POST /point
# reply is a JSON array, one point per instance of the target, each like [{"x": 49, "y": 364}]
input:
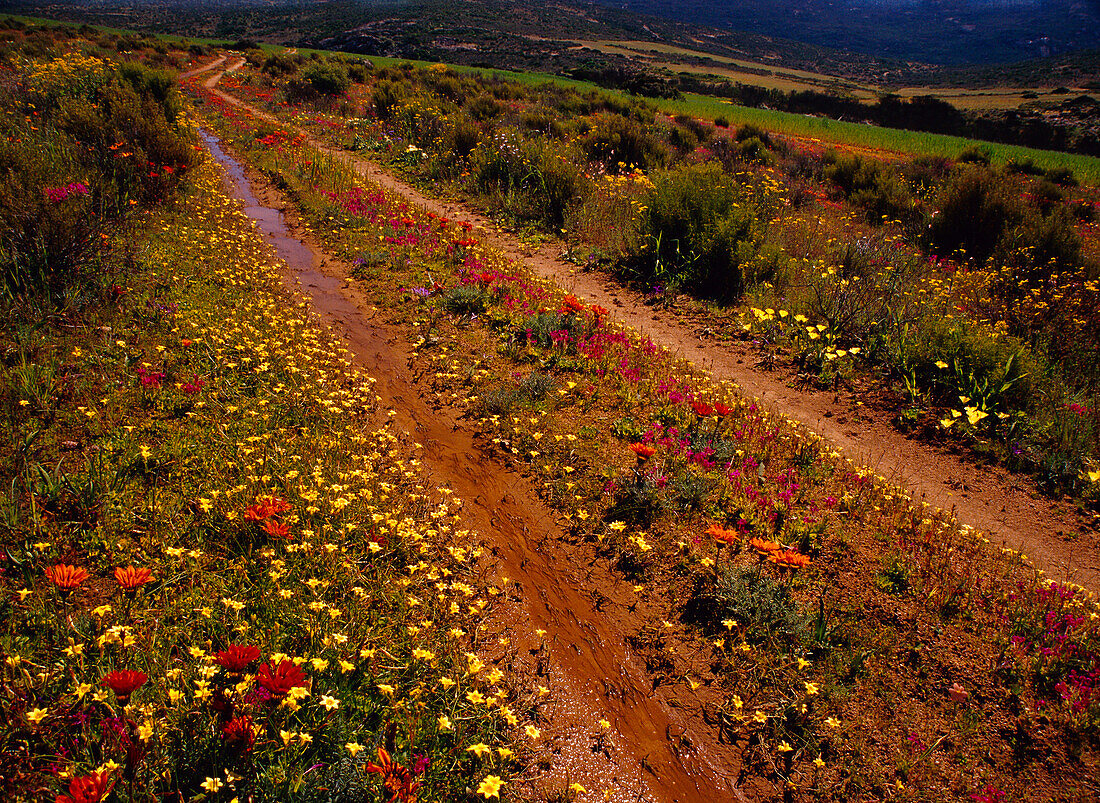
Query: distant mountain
[{"x": 929, "y": 31}]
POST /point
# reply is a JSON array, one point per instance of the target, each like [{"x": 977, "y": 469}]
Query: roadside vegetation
[
  {"x": 223, "y": 575},
  {"x": 967, "y": 288},
  {"x": 850, "y": 642}
]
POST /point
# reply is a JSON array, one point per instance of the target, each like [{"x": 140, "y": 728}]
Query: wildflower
[
  {"x": 281, "y": 678},
  {"x": 789, "y": 558},
  {"x": 353, "y": 748},
  {"x": 238, "y": 733},
  {"x": 642, "y": 451},
  {"x": 396, "y": 779},
  {"x": 445, "y": 723},
  {"x": 723, "y": 536},
  {"x": 132, "y": 578},
  {"x": 479, "y": 749},
  {"x": 329, "y": 702},
  {"x": 36, "y": 715},
  {"x": 124, "y": 682},
  {"x": 957, "y": 693},
  {"x": 533, "y": 732},
  {"x": 236, "y": 657},
  {"x": 88, "y": 788},
  {"x": 763, "y": 546},
  {"x": 784, "y": 747},
  {"x": 577, "y": 788},
  {"x": 211, "y": 784},
  {"x": 66, "y": 577},
  {"x": 276, "y": 528},
  {"x": 490, "y": 787}
]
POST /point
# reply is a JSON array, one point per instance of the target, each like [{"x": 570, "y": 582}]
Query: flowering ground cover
[
  {"x": 964, "y": 335},
  {"x": 847, "y": 641},
  {"x": 223, "y": 575}
]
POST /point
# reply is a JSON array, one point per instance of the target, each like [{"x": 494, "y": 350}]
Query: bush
[
  {"x": 529, "y": 179},
  {"x": 873, "y": 186},
  {"x": 385, "y": 98},
  {"x": 699, "y": 230},
  {"x": 621, "y": 144},
  {"x": 327, "y": 78},
  {"x": 105, "y": 140},
  {"x": 982, "y": 214}
]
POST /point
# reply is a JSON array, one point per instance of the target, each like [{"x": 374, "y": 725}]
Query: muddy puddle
[{"x": 657, "y": 747}]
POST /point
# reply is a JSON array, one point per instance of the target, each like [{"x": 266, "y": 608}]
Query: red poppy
[
  {"x": 722, "y": 410},
  {"x": 87, "y": 788},
  {"x": 132, "y": 578},
  {"x": 66, "y": 577},
  {"x": 598, "y": 311},
  {"x": 643, "y": 451},
  {"x": 236, "y": 657},
  {"x": 280, "y": 679},
  {"x": 238, "y": 733},
  {"x": 123, "y": 682}
]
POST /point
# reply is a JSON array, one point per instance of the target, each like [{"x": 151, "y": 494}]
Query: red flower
[
  {"x": 123, "y": 682},
  {"x": 132, "y": 578},
  {"x": 236, "y": 657},
  {"x": 66, "y": 577},
  {"x": 280, "y": 679},
  {"x": 87, "y": 788},
  {"x": 702, "y": 409},
  {"x": 572, "y": 304},
  {"x": 643, "y": 451},
  {"x": 276, "y": 528},
  {"x": 396, "y": 780},
  {"x": 722, "y": 410},
  {"x": 238, "y": 733}
]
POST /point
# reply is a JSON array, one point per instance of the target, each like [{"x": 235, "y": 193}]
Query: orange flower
[
  {"x": 66, "y": 577},
  {"x": 396, "y": 780},
  {"x": 722, "y": 410},
  {"x": 572, "y": 304},
  {"x": 789, "y": 558},
  {"x": 643, "y": 451},
  {"x": 723, "y": 536},
  {"x": 764, "y": 546},
  {"x": 132, "y": 578},
  {"x": 276, "y": 528}
]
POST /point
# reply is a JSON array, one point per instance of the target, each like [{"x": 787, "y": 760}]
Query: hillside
[{"x": 942, "y": 32}]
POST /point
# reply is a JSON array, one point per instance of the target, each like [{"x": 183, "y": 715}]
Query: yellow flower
[
  {"x": 577, "y": 788},
  {"x": 784, "y": 747},
  {"x": 533, "y": 732},
  {"x": 212, "y": 784},
  {"x": 760, "y": 717},
  {"x": 832, "y": 722},
  {"x": 811, "y": 689},
  {"x": 445, "y": 723},
  {"x": 329, "y": 702},
  {"x": 36, "y": 715},
  {"x": 490, "y": 787},
  {"x": 353, "y": 748},
  {"x": 479, "y": 749}
]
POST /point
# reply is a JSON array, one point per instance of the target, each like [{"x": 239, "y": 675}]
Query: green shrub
[
  {"x": 873, "y": 186},
  {"x": 529, "y": 179},
  {"x": 385, "y": 98},
  {"x": 700, "y": 230},
  {"x": 327, "y": 78},
  {"x": 621, "y": 144}
]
